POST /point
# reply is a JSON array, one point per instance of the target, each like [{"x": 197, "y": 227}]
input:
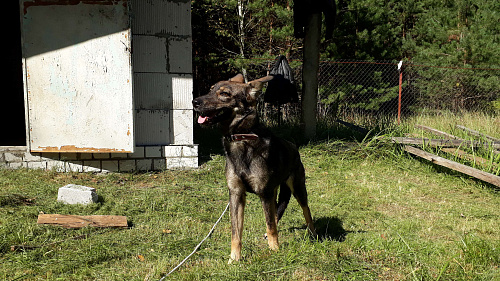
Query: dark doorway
[{"x": 12, "y": 118}]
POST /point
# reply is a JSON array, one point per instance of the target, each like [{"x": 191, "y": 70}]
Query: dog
[{"x": 256, "y": 160}]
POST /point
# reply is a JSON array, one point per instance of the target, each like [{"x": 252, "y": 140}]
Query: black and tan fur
[{"x": 256, "y": 160}]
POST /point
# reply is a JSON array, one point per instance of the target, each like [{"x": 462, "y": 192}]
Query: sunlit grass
[{"x": 380, "y": 214}]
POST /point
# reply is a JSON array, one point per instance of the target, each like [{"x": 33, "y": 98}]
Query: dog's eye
[{"x": 225, "y": 94}]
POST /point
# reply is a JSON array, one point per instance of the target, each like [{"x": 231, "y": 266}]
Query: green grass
[{"x": 380, "y": 215}]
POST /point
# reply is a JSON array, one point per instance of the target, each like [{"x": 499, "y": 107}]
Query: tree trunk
[
  {"x": 310, "y": 75},
  {"x": 241, "y": 34}
]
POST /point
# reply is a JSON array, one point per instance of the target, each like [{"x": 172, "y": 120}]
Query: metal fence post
[{"x": 399, "y": 97}]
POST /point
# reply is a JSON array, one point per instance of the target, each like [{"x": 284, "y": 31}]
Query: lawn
[{"x": 380, "y": 214}]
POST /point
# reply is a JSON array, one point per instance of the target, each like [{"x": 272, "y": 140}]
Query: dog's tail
[{"x": 283, "y": 199}]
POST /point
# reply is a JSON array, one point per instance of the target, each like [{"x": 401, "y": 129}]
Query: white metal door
[{"x": 78, "y": 75}]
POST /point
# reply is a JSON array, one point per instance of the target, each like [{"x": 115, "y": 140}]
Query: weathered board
[
  {"x": 78, "y": 75},
  {"x": 484, "y": 176},
  {"x": 72, "y": 221},
  {"x": 476, "y": 133},
  {"x": 443, "y": 142},
  {"x": 436, "y": 132}
]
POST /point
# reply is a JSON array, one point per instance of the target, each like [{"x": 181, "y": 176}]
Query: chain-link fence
[{"x": 366, "y": 92}]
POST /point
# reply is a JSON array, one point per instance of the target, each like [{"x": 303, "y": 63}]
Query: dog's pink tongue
[{"x": 202, "y": 119}]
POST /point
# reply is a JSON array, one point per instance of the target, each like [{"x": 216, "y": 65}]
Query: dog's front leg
[
  {"x": 269, "y": 206},
  {"x": 237, "y": 209}
]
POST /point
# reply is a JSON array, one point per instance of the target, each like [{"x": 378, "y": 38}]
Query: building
[{"x": 99, "y": 86}]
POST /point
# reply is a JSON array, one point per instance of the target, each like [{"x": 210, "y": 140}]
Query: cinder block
[
  {"x": 85, "y": 156},
  {"x": 92, "y": 166},
  {"x": 153, "y": 91},
  {"x": 37, "y": 165},
  {"x": 74, "y": 166},
  {"x": 182, "y": 92},
  {"x": 153, "y": 127},
  {"x": 77, "y": 194},
  {"x": 11, "y": 157},
  {"x": 190, "y": 151},
  {"x": 28, "y": 157},
  {"x": 102, "y": 155},
  {"x": 145, "y": 165},
  {"x": 172, "y": 151},
  {"x": 127, "y": 165},
  {"x": 153, "y": 151},
  {"x": 150, "y": 54},
  {"x": 16, "y": 165},
  {"x": 182, "y": 127},
  {"x": 109, "y": 166},
  {"x": 119, "y": 155},
  {"x": 50, "y": 156},
  {"x": 180, "y": 55},
  {"x": 138, "y": 152},
  {"x": 69, "y": 156},
  {"x": 159, "y": 164},
  {"x": 182, "y": 163},
  {"x": 162, "y": 17},
  {"x": 58, "y": 166}
]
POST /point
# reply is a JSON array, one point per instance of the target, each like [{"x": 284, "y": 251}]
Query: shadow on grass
[{"x": 330, "y": 228}]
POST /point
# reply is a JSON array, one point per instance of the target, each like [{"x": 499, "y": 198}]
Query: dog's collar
[{"x": 241, "y": 137}]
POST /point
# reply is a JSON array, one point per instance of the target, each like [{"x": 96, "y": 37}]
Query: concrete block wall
[
  {"x": 162, "y": 66},
  {"x": 145, "y": 158}
]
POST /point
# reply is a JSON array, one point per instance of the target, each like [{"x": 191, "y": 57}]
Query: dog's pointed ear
[
  {"x": 238, "y": 78},
  {"x": 256, "y": 87}
]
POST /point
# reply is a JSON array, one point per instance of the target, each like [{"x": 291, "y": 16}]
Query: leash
[{"x": 198, "y": 246}]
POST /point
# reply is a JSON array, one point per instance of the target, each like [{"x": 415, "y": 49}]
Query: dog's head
[{"x": 229, "y": 101}]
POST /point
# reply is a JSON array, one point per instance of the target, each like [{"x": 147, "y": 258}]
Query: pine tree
[{"x": 456, "y": 33}]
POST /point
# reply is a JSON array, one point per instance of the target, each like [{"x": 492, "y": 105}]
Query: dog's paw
[
  {"x": 274, "y": 246},
  {"x": 234, "y": 258}
]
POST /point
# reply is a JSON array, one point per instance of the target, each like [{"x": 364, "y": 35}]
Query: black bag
[{"x": 282, "y": 88}]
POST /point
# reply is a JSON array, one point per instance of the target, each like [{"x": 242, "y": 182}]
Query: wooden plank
[
  {"x": 477, "y": 134},
  {"x": 352, "y": 126},
  {"x": 464, "y": 155},
  {"x": 436, "y": 132},
  {"x": 443, "y": 143},
  {"x": 72, "y": 221},
  {"x": 482, "y": 175}
]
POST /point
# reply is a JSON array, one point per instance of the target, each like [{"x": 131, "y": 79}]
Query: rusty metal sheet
[{"x": 77, "y": 58}]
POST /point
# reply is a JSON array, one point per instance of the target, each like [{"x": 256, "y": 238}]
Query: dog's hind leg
[
  {"x": 297, "y": 184},
  {"x": 283, "y": 199}
]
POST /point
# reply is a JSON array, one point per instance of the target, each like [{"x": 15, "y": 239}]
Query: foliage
[
  {"x": 451, "y": 33},
  {"x": 228, "y": 32}
]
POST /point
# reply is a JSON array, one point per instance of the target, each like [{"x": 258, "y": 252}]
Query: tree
[
  {"x": 459, "y": 33},
  {"x": 229, "y": 34}
]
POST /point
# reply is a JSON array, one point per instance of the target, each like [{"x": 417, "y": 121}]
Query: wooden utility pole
[{"x": 310, "y": 74}]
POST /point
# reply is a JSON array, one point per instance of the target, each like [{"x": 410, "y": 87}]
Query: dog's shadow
[{"x": 330, "y": 228}]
